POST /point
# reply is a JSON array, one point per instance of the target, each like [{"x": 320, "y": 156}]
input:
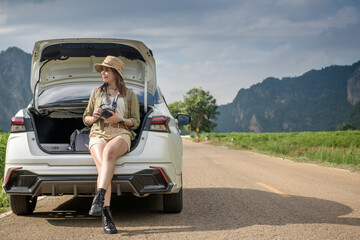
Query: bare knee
[{"x": 109, "y": 155}]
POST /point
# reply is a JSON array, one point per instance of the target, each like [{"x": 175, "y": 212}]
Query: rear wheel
[
  {"x": 173, "y": 203},
  {"x": 22, "y": 205}
]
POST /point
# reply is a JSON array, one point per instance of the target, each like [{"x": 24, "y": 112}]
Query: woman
[{"x": 113, "y": 113}]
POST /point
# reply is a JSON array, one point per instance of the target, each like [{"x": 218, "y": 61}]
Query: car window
[
  {"x": 159, "y": 96},
  {"x": 140, "y": 95},
  {"x": 65, "y": 93},
  {"x": 81, "y": 93}
]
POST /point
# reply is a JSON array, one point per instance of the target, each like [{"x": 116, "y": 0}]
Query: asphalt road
[{"x": 228, "y": 194}]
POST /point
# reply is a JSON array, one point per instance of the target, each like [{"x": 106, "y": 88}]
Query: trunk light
[
  {"x": 160, "y": 124},
  {"x": 17, "y": 124}
]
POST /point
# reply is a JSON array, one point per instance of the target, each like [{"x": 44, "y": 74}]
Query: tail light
[
  {"x": 17, "y": 124},
  {"x": 160, "y": 124}
]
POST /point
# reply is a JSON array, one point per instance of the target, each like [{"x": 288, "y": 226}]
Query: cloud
[
  {"x": 277, "y": 26},
  {"x": 7, "y": 30},
  {"x": 344, "y": 17},
  {"x": 220, "y": 45},
  {"x": 293, "y": 3},
  {"x": 3, "y": 17}
]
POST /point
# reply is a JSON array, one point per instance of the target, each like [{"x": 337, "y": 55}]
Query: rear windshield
[{"x": 80, "y": 94}]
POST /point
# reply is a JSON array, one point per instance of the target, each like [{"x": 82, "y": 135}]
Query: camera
[{"x": 106, "y": 111}]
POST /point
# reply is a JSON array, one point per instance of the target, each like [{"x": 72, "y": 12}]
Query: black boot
[
  {"x": 108, "y": 221},
  {"x": 98, "y": 203}
]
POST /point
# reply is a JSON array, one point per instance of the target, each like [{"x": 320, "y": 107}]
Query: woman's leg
[
  {"x": 105, "y": 157},
  {"x": 114, "y": 149},
  {"x": 96, "y": 153},
  {"x": 97, "y": 205}
]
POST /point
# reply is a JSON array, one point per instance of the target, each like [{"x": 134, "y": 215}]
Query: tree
[
  {"x": 201, "y": 106},
  {"x": 353, "y": 120},
  {"x": 176, "y": 108}
]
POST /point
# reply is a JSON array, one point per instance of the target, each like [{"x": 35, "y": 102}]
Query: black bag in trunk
[{"x": 79, "y": 140}]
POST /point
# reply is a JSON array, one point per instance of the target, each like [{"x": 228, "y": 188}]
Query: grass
[
  {"x": 338, "y": 148},
  {"x": 4, "y": 201}
]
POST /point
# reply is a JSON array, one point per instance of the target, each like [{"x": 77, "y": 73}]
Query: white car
[{"x": 40, "y": 157}]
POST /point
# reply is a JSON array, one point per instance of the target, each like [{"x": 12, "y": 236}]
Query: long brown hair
[{"x": 119, "y": 83}]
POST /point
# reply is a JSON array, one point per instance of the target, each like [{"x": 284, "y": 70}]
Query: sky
[{"x": 218, "y": 45}]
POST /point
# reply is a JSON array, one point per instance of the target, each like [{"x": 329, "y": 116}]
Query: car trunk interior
[
  {"x": 54, "y": 133},
  {"x": 67, "y": 77}
]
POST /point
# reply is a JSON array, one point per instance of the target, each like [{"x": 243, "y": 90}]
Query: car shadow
[{"x": 205, "y": 209}]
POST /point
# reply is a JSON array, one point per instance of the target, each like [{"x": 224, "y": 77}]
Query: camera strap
[{"x": 114, "y": 103}]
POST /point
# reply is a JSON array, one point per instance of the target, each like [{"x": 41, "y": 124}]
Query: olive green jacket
[{"x": 95, "y": 100}]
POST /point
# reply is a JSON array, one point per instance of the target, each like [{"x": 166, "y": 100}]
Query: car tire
[
  {"x": 173, "y": 203},
  {"x": 22, "y": 205}
]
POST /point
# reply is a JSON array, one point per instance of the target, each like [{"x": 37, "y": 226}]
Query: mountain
[
  {"x": 319, "y": 100},
  {"x": 15, "y": 93}
]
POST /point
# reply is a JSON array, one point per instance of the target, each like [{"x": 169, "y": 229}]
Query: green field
[
  {"x": 4, "y": 202},
  {"x": 339, "y": 148}
]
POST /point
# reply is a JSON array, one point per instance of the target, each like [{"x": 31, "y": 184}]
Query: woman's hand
[
  {"x": 96, "y": 115},
  {"x": 114, "y": 118}
]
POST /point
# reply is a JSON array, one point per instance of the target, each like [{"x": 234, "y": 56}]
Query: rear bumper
[{"x": 148, "y": 181}]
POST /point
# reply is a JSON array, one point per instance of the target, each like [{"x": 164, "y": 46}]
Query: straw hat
[{"x": 112, "y": 62}]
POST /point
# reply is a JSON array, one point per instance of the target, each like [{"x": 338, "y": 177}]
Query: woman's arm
[
  {"x": 88, "y": 118},
  {"x": 133, "y": 121}
]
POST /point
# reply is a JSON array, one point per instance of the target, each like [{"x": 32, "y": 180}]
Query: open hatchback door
[{"x": 69, "y": 62}]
